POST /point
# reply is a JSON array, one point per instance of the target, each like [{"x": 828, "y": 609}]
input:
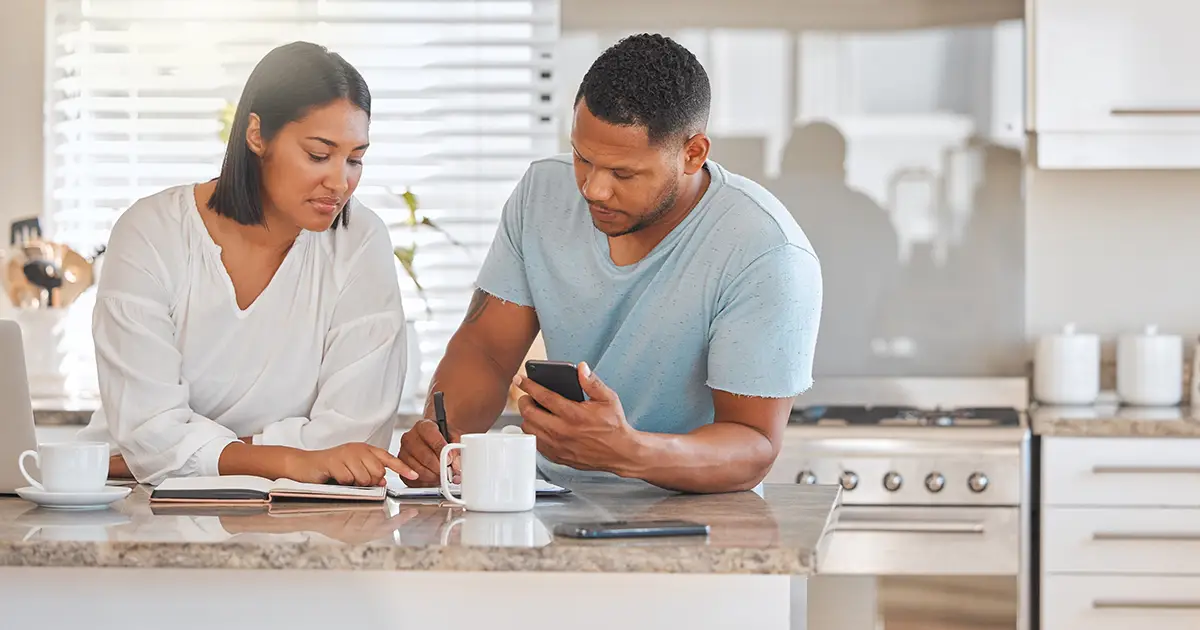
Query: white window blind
[{"x": 462, "y": 102}]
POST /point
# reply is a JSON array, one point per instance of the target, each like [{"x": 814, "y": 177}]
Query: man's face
[{"x": 629, "y": 184}]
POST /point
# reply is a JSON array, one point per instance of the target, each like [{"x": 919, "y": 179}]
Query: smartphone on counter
[
  {"x": 630, "y": 529},
  {"x": 559, "y": 377}
]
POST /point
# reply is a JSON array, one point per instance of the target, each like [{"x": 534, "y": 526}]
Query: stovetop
[{"x": 897, "y": 416}]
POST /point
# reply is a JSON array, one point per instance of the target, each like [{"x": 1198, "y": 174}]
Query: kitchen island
[{"x": 415, "y": 564}]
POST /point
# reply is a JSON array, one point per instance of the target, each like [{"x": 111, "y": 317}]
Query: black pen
[{"x": 439, "y": 413}]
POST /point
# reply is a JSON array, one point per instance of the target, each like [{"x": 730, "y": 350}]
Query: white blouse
[{"x": 317, "y": 360}]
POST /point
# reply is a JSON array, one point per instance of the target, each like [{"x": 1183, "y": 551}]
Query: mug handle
[
  {"x": 450, "y": 528},
  {"x": 25, "y": 473},
  {"x": 443, "y": 478}
]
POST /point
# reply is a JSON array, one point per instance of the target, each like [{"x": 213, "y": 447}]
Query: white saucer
[{"x": 74, "y": 500}]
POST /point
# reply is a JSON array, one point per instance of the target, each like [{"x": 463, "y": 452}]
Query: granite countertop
[
  {"x": 1115, "y": 421},
  {"x": 778, "y": 532}
]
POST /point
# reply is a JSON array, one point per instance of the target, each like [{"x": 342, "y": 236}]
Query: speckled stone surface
[
  {"x": 61, "y": 412},
  {"x": 1115, "y": 421},
  {"x": 776, "y": 533}
]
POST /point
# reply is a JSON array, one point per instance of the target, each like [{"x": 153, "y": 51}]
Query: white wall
[
  {"x": 22, "y": 24},
  {"x": 22, "y": 28},
  {"x": 1112, "y": 251}
]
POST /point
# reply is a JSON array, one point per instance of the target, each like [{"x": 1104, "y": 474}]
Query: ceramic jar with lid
[
  {"x": 1150, "y": 368},
  {"x": 1067, "y": 368}
]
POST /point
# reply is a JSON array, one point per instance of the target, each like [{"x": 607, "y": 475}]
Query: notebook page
[
  {"x": 322, "y": 489},
  {"x": 225, "y": 482}
]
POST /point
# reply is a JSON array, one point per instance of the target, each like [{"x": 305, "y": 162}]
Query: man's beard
[{"x": 666, "y": 201}]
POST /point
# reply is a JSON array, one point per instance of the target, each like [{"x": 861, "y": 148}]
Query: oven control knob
[
  {"x": 934, "y": 482},
  {"x": 892, "y": 481},
  {"x": 848, "y": 480},
  {"x": 977, "y": 482},
  {"x": 806, "y": 477}
]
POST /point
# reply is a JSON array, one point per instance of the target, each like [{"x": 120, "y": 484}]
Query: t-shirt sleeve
[
  {"x": 762, "y": 339},
  {"x": 503, "y": 271}
]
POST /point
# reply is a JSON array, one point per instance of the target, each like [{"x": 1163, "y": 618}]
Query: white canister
[
  {"x": 1066, "y": 368},
  {"x": 1150, "y": 368}
]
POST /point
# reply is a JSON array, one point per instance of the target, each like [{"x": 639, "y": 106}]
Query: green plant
[
  {"x": 226, "y": 118},
  {"x": 407, "y": 254}
]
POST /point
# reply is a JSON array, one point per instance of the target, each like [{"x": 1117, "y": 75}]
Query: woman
[{"x": 252, "y": 325}]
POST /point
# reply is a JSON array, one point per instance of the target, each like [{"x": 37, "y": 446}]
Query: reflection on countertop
[
  {"x": 1115, "y": 421},
  {"x": 777, "y": 532}
]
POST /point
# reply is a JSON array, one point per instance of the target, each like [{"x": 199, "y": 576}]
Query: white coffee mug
[
  {"x": 499, "y": 530},
  {"x": 499, "y": 472},
  {"x": 69, "y": 466}
]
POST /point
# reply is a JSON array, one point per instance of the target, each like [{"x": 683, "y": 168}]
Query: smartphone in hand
[{"x": 559, "y": 377}]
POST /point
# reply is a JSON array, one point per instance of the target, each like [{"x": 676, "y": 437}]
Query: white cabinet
[
  {"x": 1089, "y": 602},
  {"x": 1121, "y": 472},
  {"x": 1120, "y": 533},
  {"x": 1114, "y": 84},
  {"x": 1153, "y": 541}
]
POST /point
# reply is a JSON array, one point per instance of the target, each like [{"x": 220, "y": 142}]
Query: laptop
[{"x": 16, "y": 409}]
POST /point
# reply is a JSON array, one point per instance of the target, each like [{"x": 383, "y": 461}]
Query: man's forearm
[
  {"x": 719, "y": 457},
  {"x": 475, "y": 388}
]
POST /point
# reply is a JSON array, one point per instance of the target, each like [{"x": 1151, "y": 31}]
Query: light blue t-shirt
[{"x": 729, "y": 300}]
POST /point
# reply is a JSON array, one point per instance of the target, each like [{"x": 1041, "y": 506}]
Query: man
[{"x": 687, "y": 290}]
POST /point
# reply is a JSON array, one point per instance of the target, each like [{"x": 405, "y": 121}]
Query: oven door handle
[{"x": 911, "y": 527}]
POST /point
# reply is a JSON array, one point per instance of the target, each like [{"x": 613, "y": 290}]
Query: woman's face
[{"x": 312, "y": 166}]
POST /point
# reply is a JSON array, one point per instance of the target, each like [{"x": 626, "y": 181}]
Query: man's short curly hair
[{"x": 649, "y": 81}]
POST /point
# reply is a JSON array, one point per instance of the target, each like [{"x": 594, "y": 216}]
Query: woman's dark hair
[{"x": 289, "y": 81}]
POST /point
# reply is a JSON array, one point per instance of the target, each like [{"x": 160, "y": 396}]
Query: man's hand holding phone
[{"x": 590, "y": 434}]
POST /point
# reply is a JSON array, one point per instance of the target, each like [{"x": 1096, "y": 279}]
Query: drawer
[
  {"x": 1160, "y": 541},
  {"x": 1085, "y": 602},
  {"x": 1105, "y": 472}
]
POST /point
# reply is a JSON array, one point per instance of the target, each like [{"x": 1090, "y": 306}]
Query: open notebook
[
  {"x": 397, "y": 490},
  {"x": 249, "y": 489}
]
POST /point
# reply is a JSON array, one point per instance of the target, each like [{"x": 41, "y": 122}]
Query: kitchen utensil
[
  {"x": 45, "y": 275},
  {"x": 1150, "y": 368},
  {"x": 77, "y": 273},
  {"x": 33, "y": 266},
  {"x": 24, "y": 230},
  {"x": 1067, "y": 368}
]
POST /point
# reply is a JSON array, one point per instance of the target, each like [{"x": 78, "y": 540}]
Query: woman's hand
[
  {"x": 118, "y": 469},
  {"x": 358, "y": 464}
]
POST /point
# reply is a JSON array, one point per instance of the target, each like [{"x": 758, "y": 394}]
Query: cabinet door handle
[
  {"x": 1148, "y": 536},
  {"x": 1117, "y": 604},
  {"x": 1146, "y": 470},
  {"x": 1154, "y": 111}
]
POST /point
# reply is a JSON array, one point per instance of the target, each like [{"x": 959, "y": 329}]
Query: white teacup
[
  {"x": 69, "y": 466},
  {"x": 499, "y": 472},
  {"x": 499, "y": 530}
]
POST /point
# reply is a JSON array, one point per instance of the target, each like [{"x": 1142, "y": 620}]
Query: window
[{"x": 461, "y": 89}]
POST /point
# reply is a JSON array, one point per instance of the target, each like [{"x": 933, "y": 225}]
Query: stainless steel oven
[{"x": 934, "y": 532}]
